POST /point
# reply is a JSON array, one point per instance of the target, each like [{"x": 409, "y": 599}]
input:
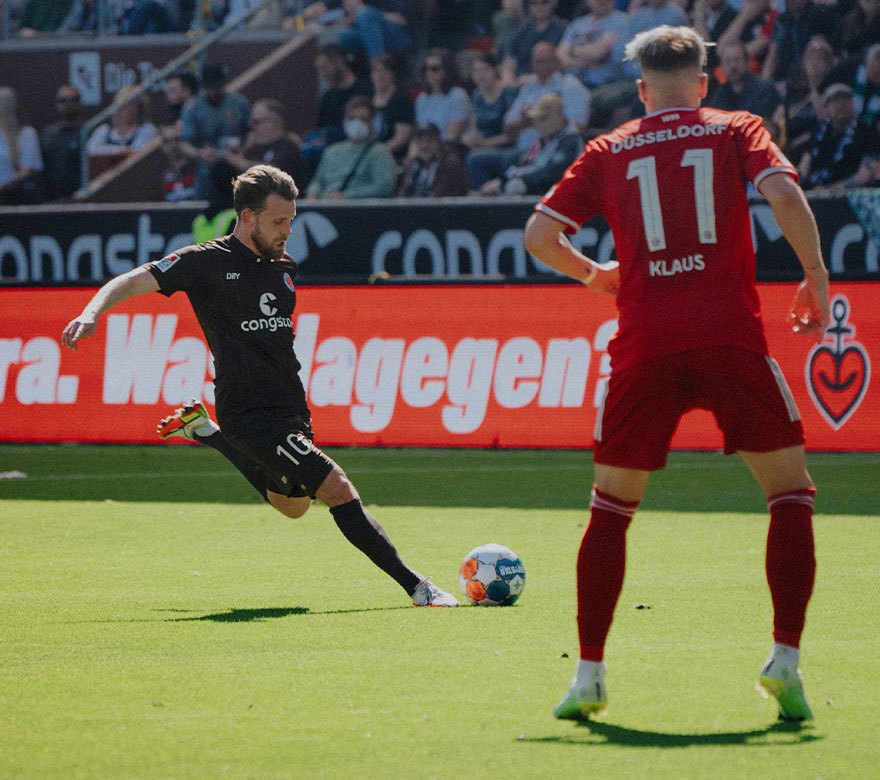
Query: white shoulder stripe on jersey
[{"x": 556, "y": 215}]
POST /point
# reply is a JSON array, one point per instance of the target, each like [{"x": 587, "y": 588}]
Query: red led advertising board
[{"x": 476, "y": 366}]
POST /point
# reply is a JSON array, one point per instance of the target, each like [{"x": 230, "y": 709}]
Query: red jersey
[{"x": 672, "y": 187}]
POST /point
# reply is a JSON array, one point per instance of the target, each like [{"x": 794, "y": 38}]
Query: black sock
[
  {"x": 252, "y": 472},
  {"x": 365, "y": 533}
]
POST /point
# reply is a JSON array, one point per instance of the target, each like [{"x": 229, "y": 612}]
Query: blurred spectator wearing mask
[
  {"x": 443, "y": 103},
  {"x": 268, "y": 143},
  {"x": 541, "y": 24},
  {"x": 358, "y": 167},
  {"x": 836, "y": 150},
  {"x": 129, "y": 128},
  {"x": 393, "y": 109},
  {"x": 21, "y": 163},
  {"x": 433, "y": 168},
  {"x": 211, "y": 122},
  {"x": 542, "y": 165},
  {"x": 743, "y": 90},
  {"x": 60, "y": 145}
]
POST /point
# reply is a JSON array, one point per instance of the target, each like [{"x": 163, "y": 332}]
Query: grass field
[{"x": 159, "y": 621}]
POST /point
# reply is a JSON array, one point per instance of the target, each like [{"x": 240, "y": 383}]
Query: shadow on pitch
[
  {"x": 270, "y": 613},
  {"x": 601, "y": 733}
]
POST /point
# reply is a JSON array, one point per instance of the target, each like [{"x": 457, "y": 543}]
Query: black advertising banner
[{"x": 450, "y": 240}]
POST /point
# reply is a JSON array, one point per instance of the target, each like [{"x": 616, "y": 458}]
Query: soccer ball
[{"x": 492, "y": 575}]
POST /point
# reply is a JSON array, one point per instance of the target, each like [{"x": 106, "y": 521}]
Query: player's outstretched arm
[
  {"x": 809, "y": 314},
  {"x": 136, "y": 282},
  {"x": 545, "y": 239}
]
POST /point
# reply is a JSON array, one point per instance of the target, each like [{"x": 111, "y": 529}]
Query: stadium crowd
[{"x": 432, "y": 98}]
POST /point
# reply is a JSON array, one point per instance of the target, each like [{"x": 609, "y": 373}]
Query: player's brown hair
[
  {"x": 251, "y": 188},
  {"x": 667, "y": 48}
]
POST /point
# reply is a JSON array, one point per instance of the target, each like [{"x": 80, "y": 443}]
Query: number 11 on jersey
[{"x": 645, "y": 170}]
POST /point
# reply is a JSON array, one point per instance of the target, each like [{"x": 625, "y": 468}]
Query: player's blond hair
[{"x": 667, "y": 48}]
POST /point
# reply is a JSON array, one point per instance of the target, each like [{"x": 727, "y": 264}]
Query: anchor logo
[{"x": 838, "y": 370}]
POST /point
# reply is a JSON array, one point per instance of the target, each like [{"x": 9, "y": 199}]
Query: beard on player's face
[{"x": 264, "y": 247}]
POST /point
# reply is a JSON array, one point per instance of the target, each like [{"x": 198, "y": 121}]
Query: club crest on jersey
[
  {"x": 838, "y": 371},
  {"x": 288, "y": 282},
  {"x": 166, "y": 262}
]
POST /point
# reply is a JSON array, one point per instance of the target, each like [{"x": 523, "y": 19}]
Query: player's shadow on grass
[
  {"x": 268, "y": 613},
  {"x": 620, "y": 735}
]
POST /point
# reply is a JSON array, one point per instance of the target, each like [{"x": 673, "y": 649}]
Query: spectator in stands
[
  {"x": 866, "y": 89},
  {"x": 443, "y": 103},
  {"x": 836, "y": 150},
  {"x": 92, "y": 16},
  {"x": 335, "y": 71},
  {"x": 542, "y": 165},
  {"x": 180, "y": 88},
  {"x": 60, "y": 145},
  {"x": 803, "y": 104},
  {"x": 268, "y": 143},
  {"x": 792, "y": 31},
  {"x": 753, "y": 26},
  {"x": 652, "y": 13},
  {"x": 433, "y": 168},
  {"x": 587, "y": 43},
  {"x": 21, "y": 163},
  {"x": 210, "y": 122},
  {"x": 179, "y": 181},
  {"x": 358, "y": 167},
  {"x": 861, "y": 27},
  {"x": 393, "y": 109},
  {"x": 743, "y": 90},
  {"x": 128, "y": 129},
  {"x": 375, "y": 30},
  {"x": 588, "y": 51},
  {"x": 505, "y": 23},
  {"x": 710, "y": 19},
  {"x": 42, "y": 16},
  {"x": 148, "y": 17},
  {"x": 490, "y": 101},
  {"x": 541, "y": 25},
  {"x": 547, "y": 77}
]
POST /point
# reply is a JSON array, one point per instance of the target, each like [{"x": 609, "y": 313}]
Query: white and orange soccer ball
[{"x": 492, "y": 575}]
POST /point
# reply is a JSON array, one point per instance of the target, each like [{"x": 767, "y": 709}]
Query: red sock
[
  {"x": 601, "y": 564},
  {"x": 790, "y": 562}
]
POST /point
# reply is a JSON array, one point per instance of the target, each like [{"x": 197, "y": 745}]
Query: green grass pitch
[{"x": 157, "y": 620}]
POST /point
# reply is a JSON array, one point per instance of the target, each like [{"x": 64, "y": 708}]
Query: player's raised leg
[
  {"x": 192, "y": 422},
  {"x": 601, "y": 564},
  {"x": 791, "y": 566}
]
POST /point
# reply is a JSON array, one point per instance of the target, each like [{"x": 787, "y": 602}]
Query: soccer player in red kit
[{"x": 672, "y": 187}]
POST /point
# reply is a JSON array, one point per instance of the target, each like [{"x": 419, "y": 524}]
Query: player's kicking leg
[{"x": 192, "y": 422}]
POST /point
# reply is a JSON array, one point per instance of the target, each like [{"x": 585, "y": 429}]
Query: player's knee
[{"x": 336, "y": 489}]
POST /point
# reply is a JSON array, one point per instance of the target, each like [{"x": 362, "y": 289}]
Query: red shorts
[{"x": 744, "y": 390}]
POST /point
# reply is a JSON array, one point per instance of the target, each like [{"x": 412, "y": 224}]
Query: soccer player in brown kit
[
  {"x": 241, "y": 288},
  {"x": 672, "y": 187}
]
